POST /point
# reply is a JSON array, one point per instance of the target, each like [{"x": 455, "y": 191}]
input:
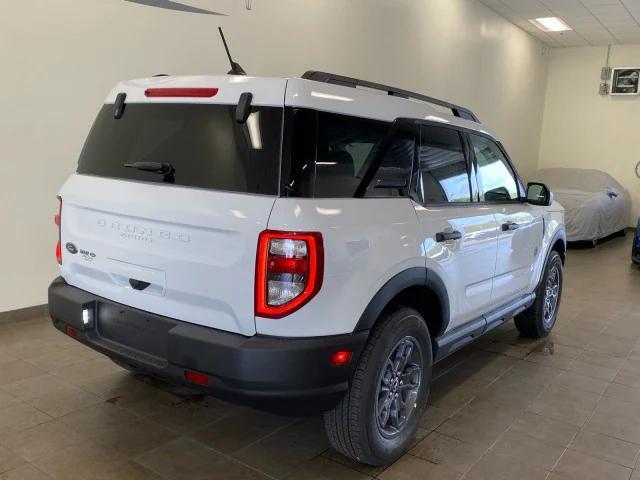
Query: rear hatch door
[{"x": 178, "y": 242}]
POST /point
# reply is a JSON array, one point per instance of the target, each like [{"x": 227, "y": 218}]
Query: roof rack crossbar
[{"x": 335, "y": 79}]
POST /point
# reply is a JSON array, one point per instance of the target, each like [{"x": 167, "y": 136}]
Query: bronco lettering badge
[{"x": 143, "y": 233}]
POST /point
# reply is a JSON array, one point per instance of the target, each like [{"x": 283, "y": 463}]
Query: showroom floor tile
[{"x": 567, "y": 407}]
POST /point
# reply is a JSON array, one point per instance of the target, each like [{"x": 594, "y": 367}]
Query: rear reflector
[
  {"x": 196, "y": 377},
  {"x": 180, "y": 92},
  {"x": 71, "y": 331},
  {"x": 340, "y": 358}
]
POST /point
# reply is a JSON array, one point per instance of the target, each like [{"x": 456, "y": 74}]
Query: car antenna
[{"x": 236, "y": 69}]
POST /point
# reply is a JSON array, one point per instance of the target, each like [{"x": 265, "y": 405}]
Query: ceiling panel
[{"x": 594, "y": 22}]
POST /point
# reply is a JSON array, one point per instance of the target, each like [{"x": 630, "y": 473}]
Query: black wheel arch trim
[
  {"x": 560, "y": 234},
  {"x": 411, "y": 277}
]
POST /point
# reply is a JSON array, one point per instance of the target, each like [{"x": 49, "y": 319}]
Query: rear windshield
[{"x": 203, "y": 144}]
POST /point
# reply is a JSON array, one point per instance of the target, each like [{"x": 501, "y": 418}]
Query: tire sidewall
[
  {"x": 554, "y": 260},
  {"x": 404, "y": 322}
]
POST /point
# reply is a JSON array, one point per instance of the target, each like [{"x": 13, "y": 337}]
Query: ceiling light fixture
[{"x": 551, "y": 24}]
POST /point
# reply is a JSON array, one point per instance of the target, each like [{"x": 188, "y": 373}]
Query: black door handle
[
  {"x": 446, "y": 236},
  {"x": 138, "y": 284},
  {"x": 510, "y": 226}
]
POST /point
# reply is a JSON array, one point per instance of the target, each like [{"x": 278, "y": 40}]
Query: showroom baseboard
[{"x": 21, "y": 314}]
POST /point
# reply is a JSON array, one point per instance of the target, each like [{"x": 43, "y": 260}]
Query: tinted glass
[
  {"x": 204, "y": 144},
  {"x": 443, "y": 167},
  {"x": 345, "y": 144},
  {"x": 495, "y": 177},
  {"x": 331, "y": 155},
  {"x": 298, "y": 171},
  {"x": 393, "y": 174}
]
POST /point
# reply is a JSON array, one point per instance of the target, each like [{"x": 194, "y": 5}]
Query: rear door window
[{"x": 203, "y": 143}]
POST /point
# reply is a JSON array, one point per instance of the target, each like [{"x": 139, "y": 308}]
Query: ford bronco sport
[{"x": 313, "y": 244}]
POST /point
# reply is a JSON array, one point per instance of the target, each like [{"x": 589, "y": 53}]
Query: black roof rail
[{"x": 324, "y": 77}]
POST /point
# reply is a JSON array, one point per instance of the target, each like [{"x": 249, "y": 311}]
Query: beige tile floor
[{"x": 505, "y": 408}]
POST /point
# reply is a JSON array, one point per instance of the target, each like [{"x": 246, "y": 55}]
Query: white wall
[
  {"x": 60, "y": 58},
  {"x": 582, "y": 129}
]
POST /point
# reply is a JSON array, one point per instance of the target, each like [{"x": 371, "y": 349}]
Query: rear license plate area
[{"x": 134, "y": 329}]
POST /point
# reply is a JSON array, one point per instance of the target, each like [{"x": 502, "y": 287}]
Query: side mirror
[{"x": 539, "y": 194}]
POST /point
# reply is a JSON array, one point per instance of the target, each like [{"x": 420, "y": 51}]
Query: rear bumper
[{"x": 288, "y": 375}]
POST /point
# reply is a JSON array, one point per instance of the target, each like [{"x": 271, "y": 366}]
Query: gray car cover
[{"x": 595, "y": 204}]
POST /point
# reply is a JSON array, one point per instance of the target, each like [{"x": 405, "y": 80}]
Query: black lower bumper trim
[{"x": 292, "y": 374}]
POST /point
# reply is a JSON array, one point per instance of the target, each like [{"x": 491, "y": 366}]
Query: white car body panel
[
  {"x": 518, "y": 250},
  {"x": 366, "y": 243},
  {"x": 468, "y": 263}
]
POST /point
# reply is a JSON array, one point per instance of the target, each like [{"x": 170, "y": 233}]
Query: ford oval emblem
[{"x": 71, "y": 248}]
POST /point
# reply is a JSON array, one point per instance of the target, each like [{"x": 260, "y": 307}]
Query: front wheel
[
  {"x": 379, "y": 415},
  {"x": 538, "y": 320}
]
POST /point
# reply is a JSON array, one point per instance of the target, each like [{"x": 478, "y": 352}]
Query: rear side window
[
  {"x": 344, "y": 145},
  {"x": 204, "y": 144},
  {"x": 444, "y": 176},
  {"x": 341, "y": 156}
]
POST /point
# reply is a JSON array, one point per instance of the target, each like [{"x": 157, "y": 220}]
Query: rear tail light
[
  {"x": 289, "y": 271},
  {"x": 58, "y": 220},
  {"x": 180, "y": 92}
]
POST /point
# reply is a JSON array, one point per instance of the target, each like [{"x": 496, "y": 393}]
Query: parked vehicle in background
[
  {"x": 300, "y": 244},
  {"x": 595, "y": 204}
]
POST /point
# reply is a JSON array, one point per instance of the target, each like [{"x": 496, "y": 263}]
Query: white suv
[{"x": 302, "y": 244}]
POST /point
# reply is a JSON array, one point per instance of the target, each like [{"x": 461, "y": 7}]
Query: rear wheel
[
  {"x": 538, "y": 320},
  {"x": 378, "y": 417}
]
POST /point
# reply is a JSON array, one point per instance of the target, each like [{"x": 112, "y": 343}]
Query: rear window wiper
[{"x": 165, "y": 169}]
